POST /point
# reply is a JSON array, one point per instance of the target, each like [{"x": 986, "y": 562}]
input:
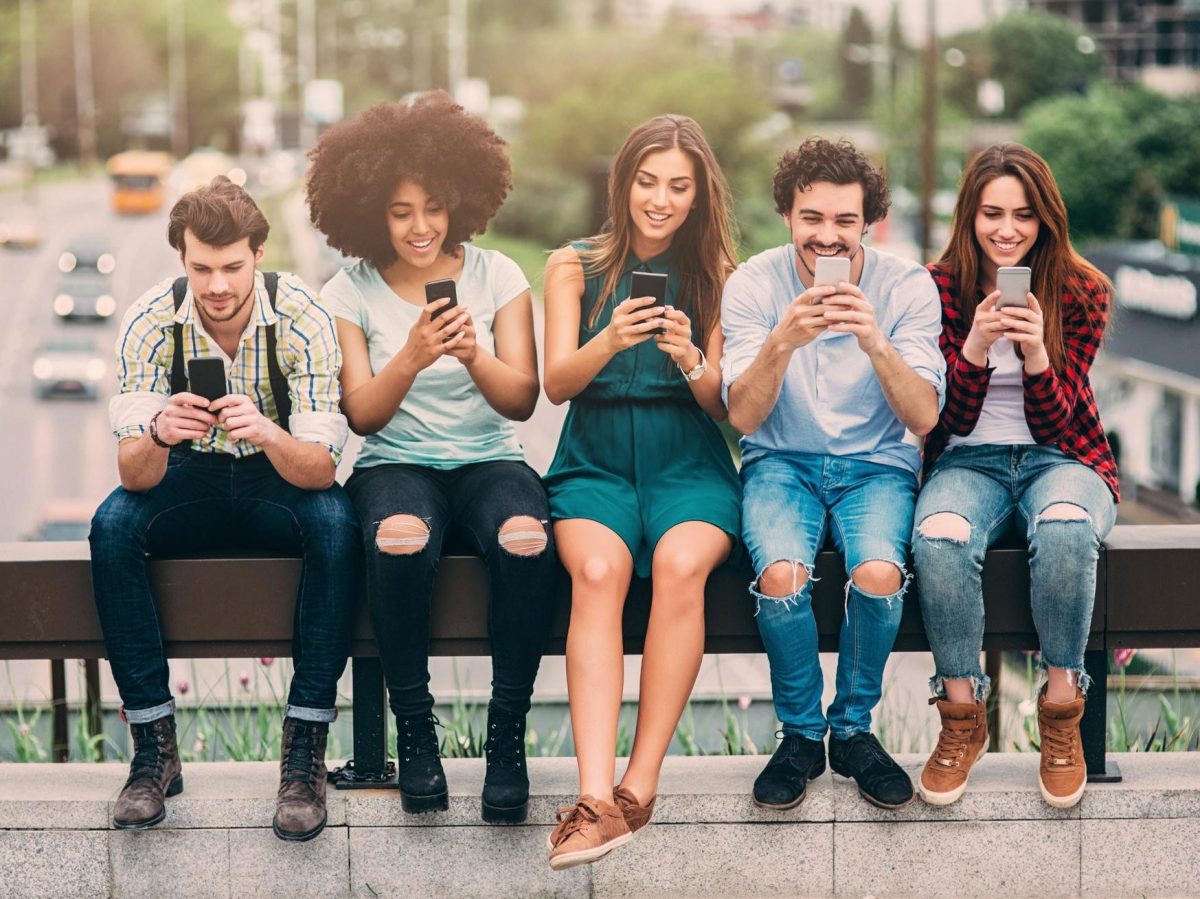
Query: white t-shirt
[
  {"x": 1002, "y": 419},
  {"x": 444, "y": 421}
]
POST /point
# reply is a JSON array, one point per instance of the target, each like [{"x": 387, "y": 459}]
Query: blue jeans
[
  {"x": 210, "y": 502},
  {"x": 998, "y": 488},
  {"x": 789, "y": 502},
  {"x": 464, "y": 509}
]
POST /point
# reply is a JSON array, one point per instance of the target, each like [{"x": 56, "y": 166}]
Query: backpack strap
[
  {"x": 179, "y": 379},
  {"x": 279, "y": 383}
]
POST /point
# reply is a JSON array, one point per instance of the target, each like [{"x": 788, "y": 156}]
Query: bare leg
[
  {"x": 600, "y": 567},
  {"x": 683, "y": 559}
]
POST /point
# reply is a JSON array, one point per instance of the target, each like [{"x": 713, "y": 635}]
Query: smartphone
[
  {"x": 830, "y": 271},
  {"x": 435, "y": 290},
  {"x": 206, "y": 377},
  {"x": 1013, "y": 283},
  {"x": 650, "y": 284}
]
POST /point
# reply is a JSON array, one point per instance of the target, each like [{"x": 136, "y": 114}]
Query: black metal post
[
  {"x": 60, "y": 750},
  {"x": 1094, "y": 727},
  {"x": 370, "y": 766}
]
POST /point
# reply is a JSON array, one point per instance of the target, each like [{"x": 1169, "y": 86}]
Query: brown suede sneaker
[
  {"x": 1063, "y": 771},
  {"x": 962, "y": 742},
  {"x": 154, "y": 775},
  {"x": 586, "y": 832},
  {"x": 636, "y": 816}
]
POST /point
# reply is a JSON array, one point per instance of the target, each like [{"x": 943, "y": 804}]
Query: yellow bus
[{"x": 138, "y": 177}]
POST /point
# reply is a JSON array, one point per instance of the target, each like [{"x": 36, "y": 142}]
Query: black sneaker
[
  {"x": 796, "y": 761},
  {"x": 419, "y": 771},
  {"x": 880, "y": 780},
  {"x": 505, "y": 796}
]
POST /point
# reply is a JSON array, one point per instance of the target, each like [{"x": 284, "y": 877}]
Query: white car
[
  {"x": 68, "y": 366},
  {"x": 84, "y": 296}
]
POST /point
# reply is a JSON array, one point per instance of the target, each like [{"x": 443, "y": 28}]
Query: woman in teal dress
[{"x": 642, "y": 480}]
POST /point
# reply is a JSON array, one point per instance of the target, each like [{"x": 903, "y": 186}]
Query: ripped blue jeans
[
  {"x": 791, "y": 502},
  {"x": 1062, "y": 507}
]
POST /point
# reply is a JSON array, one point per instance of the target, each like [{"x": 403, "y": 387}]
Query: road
[{"x": 63, "y": 449}]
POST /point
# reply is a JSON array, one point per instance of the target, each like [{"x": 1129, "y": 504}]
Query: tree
[
  {"x": 1037, "y": 55},
  {"x": 856, "y": 62}
]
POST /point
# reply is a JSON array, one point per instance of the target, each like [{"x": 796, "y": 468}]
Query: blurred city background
[{"x": 110, "y": 110}]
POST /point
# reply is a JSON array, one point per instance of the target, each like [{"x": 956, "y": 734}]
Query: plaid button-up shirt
[
  {"x": 1060, "y": 409},
  {"x": 308, "y": 357}
]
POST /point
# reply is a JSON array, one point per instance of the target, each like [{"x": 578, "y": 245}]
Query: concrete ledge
[{"x": 1140, "y": 837}]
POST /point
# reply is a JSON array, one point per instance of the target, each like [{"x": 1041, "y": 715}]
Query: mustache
[
  {"x": 838, "y": 247},
  {"x": 216, "y": 297}
]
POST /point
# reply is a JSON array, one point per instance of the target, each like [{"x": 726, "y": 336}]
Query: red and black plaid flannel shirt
[{"x": 1059, "y": 409}]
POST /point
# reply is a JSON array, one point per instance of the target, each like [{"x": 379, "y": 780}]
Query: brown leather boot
[
  {"x": 1062, "y": 774},
  {"x": 300, "y": 803},
  {"x": 961, "y": 743},
  {"x": 154, "y": 774}
]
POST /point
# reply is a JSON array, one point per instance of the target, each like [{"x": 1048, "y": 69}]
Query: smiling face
[
  {"x": 662, "y": 195},
  {"x": 826, "y": 219},
  {"x": 1006, "y": 226},
  {"x": 417, "y": 224},
  {"x": 221, "y": 278}
]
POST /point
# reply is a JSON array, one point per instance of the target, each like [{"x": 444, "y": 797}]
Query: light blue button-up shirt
[{"x": 831, "y": 402}]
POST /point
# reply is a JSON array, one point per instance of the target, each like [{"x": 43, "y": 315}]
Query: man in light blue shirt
[{"x": 823, "y": 382}]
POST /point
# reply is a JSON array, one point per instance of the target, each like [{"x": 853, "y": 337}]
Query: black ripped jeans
[{"x": 464, "y": 509}]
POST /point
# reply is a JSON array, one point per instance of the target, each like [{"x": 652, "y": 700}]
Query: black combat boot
[
  {"x": 506, "y": 784},
  {"x": 419, "y": 771}
]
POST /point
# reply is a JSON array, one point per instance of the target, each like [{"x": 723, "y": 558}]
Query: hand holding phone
[
  {"x": 206, "y": 377},
  {"x": 650, "y": 284},
  {"x": 1013, "y": 283}
]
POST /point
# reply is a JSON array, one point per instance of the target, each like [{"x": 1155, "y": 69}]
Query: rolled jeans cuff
[
  {"x": 317, "y": 716},
  {"x": 145, "y": 716}
]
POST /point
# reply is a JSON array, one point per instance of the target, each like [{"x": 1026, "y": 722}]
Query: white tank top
[{"x": 1002, "y": 419}]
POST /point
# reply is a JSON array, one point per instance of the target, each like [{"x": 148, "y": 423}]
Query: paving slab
[
  {"x": 182, "y": 864},
  {"x": 1149, "y": 857},
  {"x": 263, "y": 866},
  {"x": 59, "y": 863}
]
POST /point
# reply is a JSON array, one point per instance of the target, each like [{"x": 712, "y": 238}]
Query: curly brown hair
[
  {"x": 218, "y": 214},
  {"x": 429, "y": 139},
  {"x": 818, "y": 159}
]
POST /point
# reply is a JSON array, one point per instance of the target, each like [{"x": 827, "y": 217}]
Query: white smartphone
[
  {"x": 830, "y": 271},
  {"x": 1013, "y": 283}
]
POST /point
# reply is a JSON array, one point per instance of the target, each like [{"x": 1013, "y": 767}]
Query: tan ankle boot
[
  {"x": 961, "y": 743},
  {"x": 1063, "y": 771}
]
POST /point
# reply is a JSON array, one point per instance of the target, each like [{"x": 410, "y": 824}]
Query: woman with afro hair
[
  {"x": 435, "y": 388},
  {"x": 642, "y": 480}
]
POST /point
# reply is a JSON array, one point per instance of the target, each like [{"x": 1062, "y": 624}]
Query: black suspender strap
[{"x": 278, "y": 381}]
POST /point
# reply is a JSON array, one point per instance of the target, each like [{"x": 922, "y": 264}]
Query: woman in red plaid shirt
[{"x": 1019, "y": 449}]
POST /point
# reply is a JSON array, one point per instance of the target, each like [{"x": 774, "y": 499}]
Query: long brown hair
[
  {"x": 1056, "y": 266},
  {"x": 704, "y": 243}
]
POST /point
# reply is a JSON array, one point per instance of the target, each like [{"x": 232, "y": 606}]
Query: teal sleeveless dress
[{"x": 637, "y": 453}]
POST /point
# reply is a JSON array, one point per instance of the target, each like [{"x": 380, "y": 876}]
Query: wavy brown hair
[
  {"x": 1055, "y": 265},
  {"x": 430, "y": 140},
  {"x": 704, "y": 243}
]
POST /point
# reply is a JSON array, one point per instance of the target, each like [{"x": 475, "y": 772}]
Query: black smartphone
[
  {"x": 206, "y": 377},
  {"x": 650, "y": 284},
  {"x": 435, "y": 290}
]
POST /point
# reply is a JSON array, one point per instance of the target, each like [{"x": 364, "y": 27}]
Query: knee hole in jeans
[
  {"x": 783, "y": 578},
  {"x": 945, "y": 526},
  {"x": 1063, "y": 512},
  {"x": 523, "y": 535},
  {"x": 401, "y": 535},
  {"x": 878, "y": 577}
]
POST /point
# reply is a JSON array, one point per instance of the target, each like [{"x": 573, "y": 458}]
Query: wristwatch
[
  {"x": 695, "y": 374},
  {"x": 154, "y": 431}
]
